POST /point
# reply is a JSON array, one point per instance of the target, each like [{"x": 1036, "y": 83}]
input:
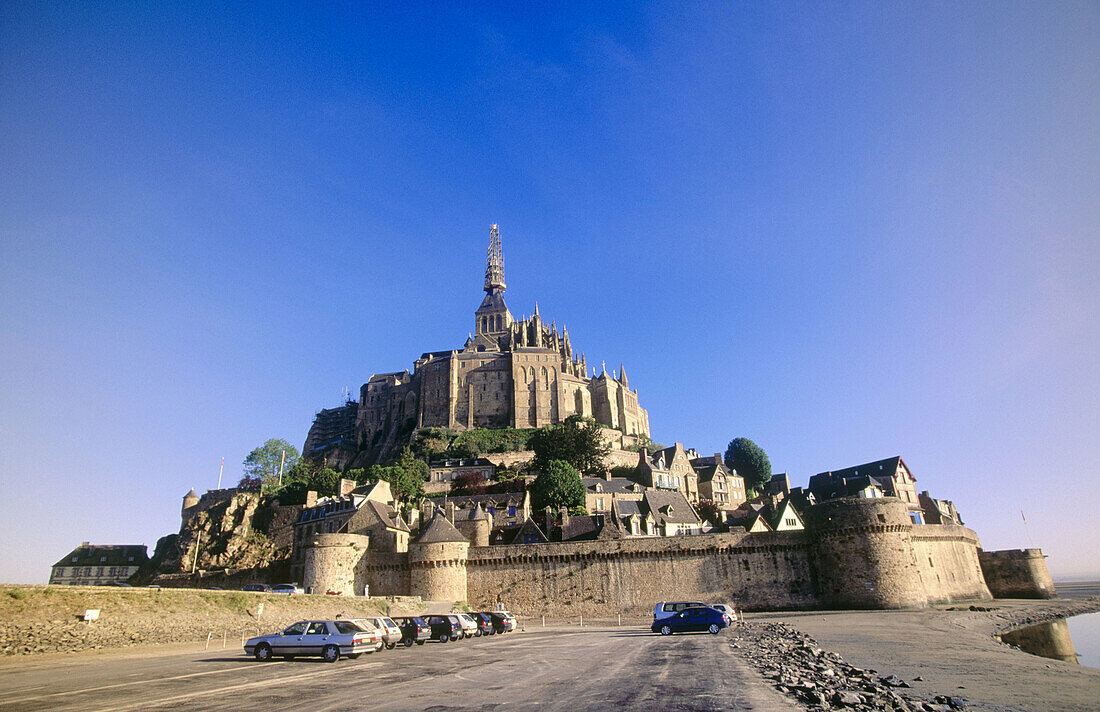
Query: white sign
[
  {"x": 260, "y": 610},
  {"x": 92, "y": 614}
]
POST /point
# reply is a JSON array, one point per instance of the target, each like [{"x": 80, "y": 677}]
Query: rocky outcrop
[{"x": 243, "y": 530}]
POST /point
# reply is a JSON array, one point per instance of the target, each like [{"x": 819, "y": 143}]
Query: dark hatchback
[
  {"x": 503, "y": 621},
  {"x": 484, "y": 623},
  {"x": 691, "y": 620},
  {"x": 413, "y": 630},
  {"x": 444, "y": 629}
]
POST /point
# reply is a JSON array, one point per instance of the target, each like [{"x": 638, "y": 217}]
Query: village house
[
  {"x": 892, "y": 476},
  {"x": 600, "y": 492},
  {"x": 98, "y": 565},
  {"x": 669, "y": 469},
  {"x": 445, "y": 472},
  {"x": 718, "y": 483}
]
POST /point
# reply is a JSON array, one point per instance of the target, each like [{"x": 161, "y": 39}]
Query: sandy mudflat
[{"x": 956, "y": 654}]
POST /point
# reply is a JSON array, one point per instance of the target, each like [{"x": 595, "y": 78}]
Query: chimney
[
  {"x": 564, "y": 518},
  {"x": 311, "y": 498},
  {"x": 549, "y": 521},
  {"x": 451, "y": 512},
  {"x": 345, "y": 486},
  {"x": 717, "y": 458},
  {"x": 85, "y": 543},
  {"x": 607, "y": 475}
]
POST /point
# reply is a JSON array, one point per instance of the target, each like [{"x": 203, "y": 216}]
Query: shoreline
[{"x": 946, "y": 657}]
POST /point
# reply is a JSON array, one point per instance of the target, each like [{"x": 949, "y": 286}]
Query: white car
[
  {"x": 329, "y": 639},
  {"x": 387, "y": 629},
  {"x": 733, "y": 613},
  {"x": 287, "y": 588},
  {"x": 470, "y": 628}
]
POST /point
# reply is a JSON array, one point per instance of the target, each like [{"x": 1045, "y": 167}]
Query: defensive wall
[
  {"x": 854, "y": 554},
  {"x": 1017, "y": 573}
]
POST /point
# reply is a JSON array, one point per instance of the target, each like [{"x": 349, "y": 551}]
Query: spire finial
[{"x": 494, "y": 263}]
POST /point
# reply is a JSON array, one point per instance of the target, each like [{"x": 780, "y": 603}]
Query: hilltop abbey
[{"x": 509, "y": 373}]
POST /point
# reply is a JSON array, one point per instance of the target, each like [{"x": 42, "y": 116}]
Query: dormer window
[{"x": 599, "y": 488}]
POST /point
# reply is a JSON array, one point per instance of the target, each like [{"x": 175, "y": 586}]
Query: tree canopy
[
  {"x": 264, "y": 461},
  {"x": 406, "y": 476},
  {"x": 749, "y": 461},
  {"x": 558, "y": 485},
  {"x": 578, "y": 441}
]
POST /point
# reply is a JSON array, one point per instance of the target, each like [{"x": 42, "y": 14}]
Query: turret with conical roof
[
  {"x": 190, "y": 501},
  {"x": 437, "y": 562},
  {"x": 475, "y": 526}
]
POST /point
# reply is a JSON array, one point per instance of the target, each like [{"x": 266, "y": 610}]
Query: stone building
[
  {"x": 669, "y": 469},
  {"x": 718, "y": 483},
  {"x": 601, "y": 492},
  {"x": 444, "y": 472},
  {"x": 98, "y": 565},
  {"x": 891, "y": 475},
  {"x": 521, "y": 373}
]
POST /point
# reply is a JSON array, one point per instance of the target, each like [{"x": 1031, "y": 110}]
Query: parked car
[
  {"x": 287, "y": 588},
  {"x": 729, "y": 610},
  {"x": 692, "y": 619},
  {"x": 443, "y": 628},
  {"x": 666, "y": 610},
  {"x": 391, "y": 634},
  {"x": 329, "y": 639},
  {"x": 457, "y": 621},
  {"x": 257, "y": 587},
  {"x": 470, "y": 628},
  {"x": 413, "y": 630},
  {"x": 503, "y": 621},
  {"x": 484, "y": 623}
]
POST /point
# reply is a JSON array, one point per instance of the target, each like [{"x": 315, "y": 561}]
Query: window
[
  {"x": 512, "y": 510},
  {"x": 599, "y": 504},
  {"x": 317, "y": 628},
  {"x": 790, "y": 522}
]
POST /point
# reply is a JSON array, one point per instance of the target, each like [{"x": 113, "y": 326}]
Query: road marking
[
  {"x": 221, "y": 690},
  {"x": 125, "y": 684}
]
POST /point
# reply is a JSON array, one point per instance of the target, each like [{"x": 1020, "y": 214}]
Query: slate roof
[
  {"x": 615, "y": 485},
  {"x": 629, "y": 507},
  {"x": 670, "y": 506},
  {"x": 477, "y": 513},
  {"x": 106, "y": 555},
  {"x": 488, "y": 500},
  {"x": 515, "y": 534},
  {"x": 706, "y": 472},
  {"x": 387, "y": 514},
  {"x": 439, "y": 531}
]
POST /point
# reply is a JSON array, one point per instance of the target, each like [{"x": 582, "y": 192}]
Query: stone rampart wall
[
  {"x": 386, "y": 573},
  {"x": 947, "y": 562},
  {"x": 331, "y": 562},
  {"x": 1017, "y": 573},
  {"x": 758, "y": 571}
]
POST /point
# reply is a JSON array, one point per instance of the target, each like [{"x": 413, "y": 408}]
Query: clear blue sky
[{"x": 847, "y": 232}]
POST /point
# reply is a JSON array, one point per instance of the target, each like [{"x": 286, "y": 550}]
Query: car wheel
[
  {"x": 391, "y": 646},
  {"x": 666, "y": 630},
  {"x": 408, "y": 642},
  {"x": 477, "y": 633},
  {"x": 420, "y": 642},
  {"x": 443, "y": 637},
  {"x": 330, "y": 653},
  {"x": 262, "y": 652},
  {"x": 714, "y": 628}
]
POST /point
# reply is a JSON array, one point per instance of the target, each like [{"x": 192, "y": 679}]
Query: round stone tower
[
  {"x": 330, "y": 563},
  {"x": 475, "y": 526},
  {"x": 437, "y": 562},
  {"x": 863, "y": 554},
  {"x": 190, "y": 500}
]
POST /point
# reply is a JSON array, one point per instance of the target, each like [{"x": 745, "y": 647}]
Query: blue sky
[{"x": 847, "y": 232}]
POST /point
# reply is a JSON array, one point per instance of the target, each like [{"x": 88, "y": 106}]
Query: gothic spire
[{"x": 494, "y": 264}]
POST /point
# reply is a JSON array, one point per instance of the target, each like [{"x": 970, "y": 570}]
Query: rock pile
[{"x": 821, "y": 680}]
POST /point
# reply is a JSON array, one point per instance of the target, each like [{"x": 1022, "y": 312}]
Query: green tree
[
  {"x": 748, "y": 460},
  {"x": 431, "y": 443},
  {"x": 709, "y": 511},
  {"x": 558, "y": 485},
  {"x": 264, "y": 461},
  {"x": 406, "y": 476},
  {"x": 578, "y": 441}
]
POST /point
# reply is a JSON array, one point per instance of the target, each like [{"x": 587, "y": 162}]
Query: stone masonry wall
[
  {"x": 631, "y": 576},
  {"x": 1017, "y": 573},
  {"x": 952, "y": 572}
]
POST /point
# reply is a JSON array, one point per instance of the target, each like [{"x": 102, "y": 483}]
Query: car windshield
[
  {"x": 365, "y": 623},
  {"x": 389, "y": 622},
  {"x": 296, "y": 629},
  {"x": 419, "y": 621},
  {"x": 347, "y": 627}
]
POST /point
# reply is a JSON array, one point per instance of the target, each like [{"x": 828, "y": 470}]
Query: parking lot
[{"x": 545, "y": 669}]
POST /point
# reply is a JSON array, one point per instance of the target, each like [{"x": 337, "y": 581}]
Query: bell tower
[{"x": 492, "y": 319}]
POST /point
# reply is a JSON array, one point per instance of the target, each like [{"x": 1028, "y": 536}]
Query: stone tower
[
  {"x": 190, "y": 500},
  {"x": 437, "y": 562},
  {"x": 863, "y": 554},
  {"x": 475, "y": 526}
]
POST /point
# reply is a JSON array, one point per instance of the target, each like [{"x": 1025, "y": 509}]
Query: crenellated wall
[
  {"x": 1017, "y": 573},
  {"x": 853, "y": 554}
]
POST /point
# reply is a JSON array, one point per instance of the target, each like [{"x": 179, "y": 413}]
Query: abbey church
[{"x": 509, "y": 373}]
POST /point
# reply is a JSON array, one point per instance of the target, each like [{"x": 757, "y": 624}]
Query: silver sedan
[{"x": 329, "y": 639}]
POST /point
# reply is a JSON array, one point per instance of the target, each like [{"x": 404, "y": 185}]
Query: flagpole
[{"x": 220, "y": 470}]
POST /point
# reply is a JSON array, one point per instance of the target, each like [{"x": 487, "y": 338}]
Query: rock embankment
[
  {"x": 820, "y": 680},
  {"x": 49, "y": 619}
]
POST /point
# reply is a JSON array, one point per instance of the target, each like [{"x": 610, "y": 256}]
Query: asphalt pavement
[{"x": 539, "y": 669}]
